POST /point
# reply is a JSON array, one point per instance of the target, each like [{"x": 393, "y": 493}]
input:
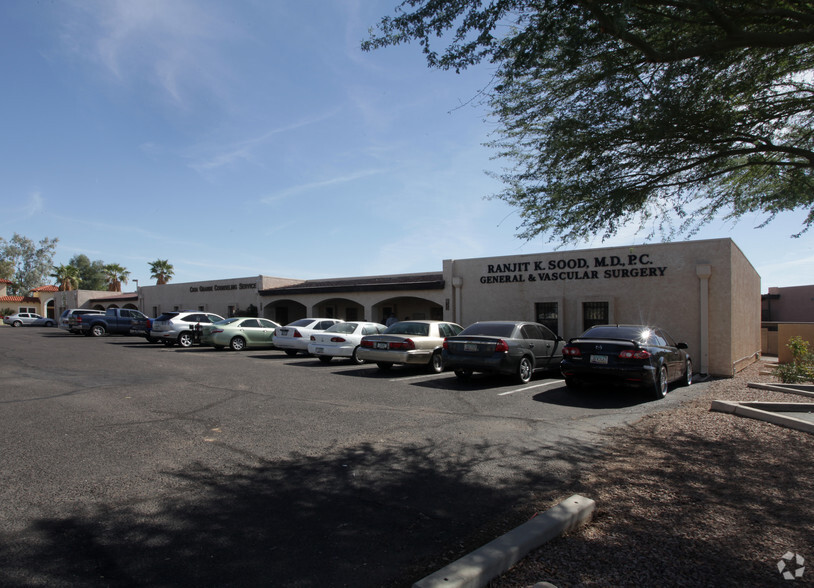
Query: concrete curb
[
  {"x": 799, "y": 389},
  {"x": 767, "y": 411},
  {"x": 476, "y": 569}
]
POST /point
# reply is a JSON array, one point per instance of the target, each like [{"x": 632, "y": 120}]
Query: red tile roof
[
  {"x": 45, "y": 289},
  {"x": 29, "y": 299}
]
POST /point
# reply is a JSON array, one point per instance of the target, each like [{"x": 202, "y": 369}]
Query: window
[
  {"x": 251, "y": 323},
  {"x": 548, "y": 314},
  {"x": 531, "y": 332},
  {"x": 594, "y": 313}
]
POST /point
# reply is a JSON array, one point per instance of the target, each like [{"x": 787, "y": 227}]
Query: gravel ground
[{"x": 690, "y": 497}]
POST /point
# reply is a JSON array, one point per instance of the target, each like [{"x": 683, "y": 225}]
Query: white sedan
[
  {"x": 342, "y": 340},
  {"x": 296, "y": 336}
]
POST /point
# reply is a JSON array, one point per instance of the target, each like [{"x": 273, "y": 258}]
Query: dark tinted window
[
  {"x": 167, "y": 316},
  {"x": 267, "y": 324},
  {"x": 631, "y": 333},
  {"x": 490, "y": 329},
  {"x": 532, "y": 332},
  {"x": 408, "y": 328},
  {"x": 250, "y": 323},
  {"x": 301, "y": 323}
]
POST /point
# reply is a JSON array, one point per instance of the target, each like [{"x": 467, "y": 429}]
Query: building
[
  {"x": 794, "y": 304},
  {"x": 705, "y": 293},
  {"x": 39, "y": 300}
]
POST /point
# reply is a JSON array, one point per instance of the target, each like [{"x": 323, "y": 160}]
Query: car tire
[
  {"x": 572, "y": 384},
  {"x": 325, "y": 358},
  {"x": 291, "y": 352},
  {"x": 16, "y": 324},
  {"x": 354, "y": 358},
  {"x": 98, "y": 330},
  {"x": 463, "y": 375},
  {"x": 686, "y": 380},
  {"x": 524, "y": 370},
  {"x": 218, "y": 347},
  {"x": 185, "y": 339},
  {"x": 660, "y": 383},
  {"x": 384, "y": 365},
  {"x": 436, "y": 365},
  {"x": 237, "y": 344}
]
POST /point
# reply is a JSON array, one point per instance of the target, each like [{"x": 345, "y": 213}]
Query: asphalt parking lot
[{"x": 131, "y": 464}]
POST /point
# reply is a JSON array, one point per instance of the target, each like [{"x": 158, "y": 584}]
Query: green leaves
[{"x": 636, "y": 111}]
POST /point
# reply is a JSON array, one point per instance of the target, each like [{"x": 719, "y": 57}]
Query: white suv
[{"x": 179, "y": 327}]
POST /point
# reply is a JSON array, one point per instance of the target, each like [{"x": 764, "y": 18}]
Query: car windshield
[
  {"x": 228, "y": 321},
  {"x": 301, "y": 323},
  {"x": 490, "y": 329},
  {"x": 632, "y": 333},
  {"x": 342, "y": 328},
  {"x": 408, "y": 328},
  {"x": 167, "y": 316}
]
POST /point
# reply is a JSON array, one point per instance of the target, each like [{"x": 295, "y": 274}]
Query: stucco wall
[
  {"x": 795, "y": 304},
  {"x": 785, "y": 331},
  {"x": 656, "y": 284}
]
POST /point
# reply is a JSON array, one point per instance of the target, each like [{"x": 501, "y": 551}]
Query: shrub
[{"x": 801, "y": 368}]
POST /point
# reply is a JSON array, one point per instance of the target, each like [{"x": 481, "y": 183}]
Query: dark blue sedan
[{"x": 635, "y": 355}]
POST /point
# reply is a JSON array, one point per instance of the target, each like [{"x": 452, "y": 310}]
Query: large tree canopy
[
  {"x": 25, "y": 263},
  {"x": 643, "y": 110}
]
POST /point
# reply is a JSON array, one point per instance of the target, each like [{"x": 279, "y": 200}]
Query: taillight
[
  {"x": 336, "y": 340},
  {"x": 150, "y": 324},
  {"x": 213, "y": 331},
  {"x": 366, "y": 343},
  {"x": 501, "y": 346},
  {"x": 572, "y": 350},
  {"x": 296, "y": 334},
  {"x": 406, "y": 345},
  {"x": 313, "y": 338},
  {"x": 634, "y": 354},
  {"x": 446, "y": 345}
]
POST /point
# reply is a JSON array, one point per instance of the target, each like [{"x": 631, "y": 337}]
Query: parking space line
[{"x": 540, "y": 385}]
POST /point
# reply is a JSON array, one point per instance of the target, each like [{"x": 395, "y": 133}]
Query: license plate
[
  {"x": 470, "y": 347},
  {"x": 381, "y": 345},
  {"x": 603, "y": 359},
  {"x": 318, "y": 350},
  {"x": 284, "y": 331}
]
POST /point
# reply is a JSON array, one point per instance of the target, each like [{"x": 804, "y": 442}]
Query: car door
[
  {"x": 251, "y": 331},
  {"x": 672, "y": 355},
  {"x": 541, "y": 342}
]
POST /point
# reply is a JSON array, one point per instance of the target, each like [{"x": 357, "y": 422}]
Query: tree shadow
[{"x": 359, "y": 517}]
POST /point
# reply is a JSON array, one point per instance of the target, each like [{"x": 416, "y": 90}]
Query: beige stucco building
[{"x": 705, "y": 293}]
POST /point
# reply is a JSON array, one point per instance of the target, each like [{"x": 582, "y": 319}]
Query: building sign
[
  {"x": 606, "y": 267},
  {"x": 223, "y": 287}
]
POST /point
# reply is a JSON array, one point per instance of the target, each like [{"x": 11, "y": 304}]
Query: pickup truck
[
  {"x": 141, "y": 327},
  {"x": 114, "y": 321}
]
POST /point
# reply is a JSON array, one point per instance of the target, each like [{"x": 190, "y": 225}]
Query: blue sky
[{"x": 255, "y": 137}]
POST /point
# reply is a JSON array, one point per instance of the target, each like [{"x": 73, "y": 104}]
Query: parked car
[
  {"x": 409, "y": 342},
  {"x": 66, "y": 315},
  {"x": 180, "y": 326},
  {"x": 113, "y": 321},
  {"x": 517, "y": 348},
  {"x": 19, "y": 319},
  {"x": 238, "y": 333},
  {"x": 141, "y": 327},
  {"x": 342, "y": 340},
  {"x": 636, "y": 355},
  {"x": 44, "y": 321},
  {"x": 295, "y": 337}
]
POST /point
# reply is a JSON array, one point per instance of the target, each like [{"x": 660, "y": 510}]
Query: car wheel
[
  {"x": 354, "y": 358},
  {"x": 151, "y": 339},
  {"x": 218, "y": 347},
  {"x": 572, "y": 384},
  {"x": 97, "y": 330},
  {"x": 660, "y": 385},
  {"x": 524, "y": 370},
  {"x": 291, "y": 352},
  {"x": 50, "y": 324},
  {"x": 325, "y": 358},
  {"x": 185, "y": 339},
  {"x": 436, "y": 365},
  {"x": 16, "y": 324},
  {"x": 237, "y": 343},
  {"x": 687, "y": 379},
  {"x": 463, "y": 375},
  {"x": 384, "y": 365}
]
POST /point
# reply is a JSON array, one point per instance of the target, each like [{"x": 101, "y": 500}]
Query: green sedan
[{"x": 238, "y": 333}]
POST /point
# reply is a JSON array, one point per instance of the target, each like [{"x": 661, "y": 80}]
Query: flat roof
[{"x": 427, "y": 281}]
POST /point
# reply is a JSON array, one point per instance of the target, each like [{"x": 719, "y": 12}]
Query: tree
[
  {"x": 92, "y": 274},
  {"x": 161, "y": 270},
  {"x": 116, "y": 276},
  {"x": 66, "y": 276},
  {"x": 641, "y": 110},
  {"x": 25, "y": 263}
]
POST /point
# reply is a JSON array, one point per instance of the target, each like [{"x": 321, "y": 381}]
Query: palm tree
[
  {"x": 116, "y": 276},
  {"x": 66, "y": 276},
  {"x": 161, "y": 270}
]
